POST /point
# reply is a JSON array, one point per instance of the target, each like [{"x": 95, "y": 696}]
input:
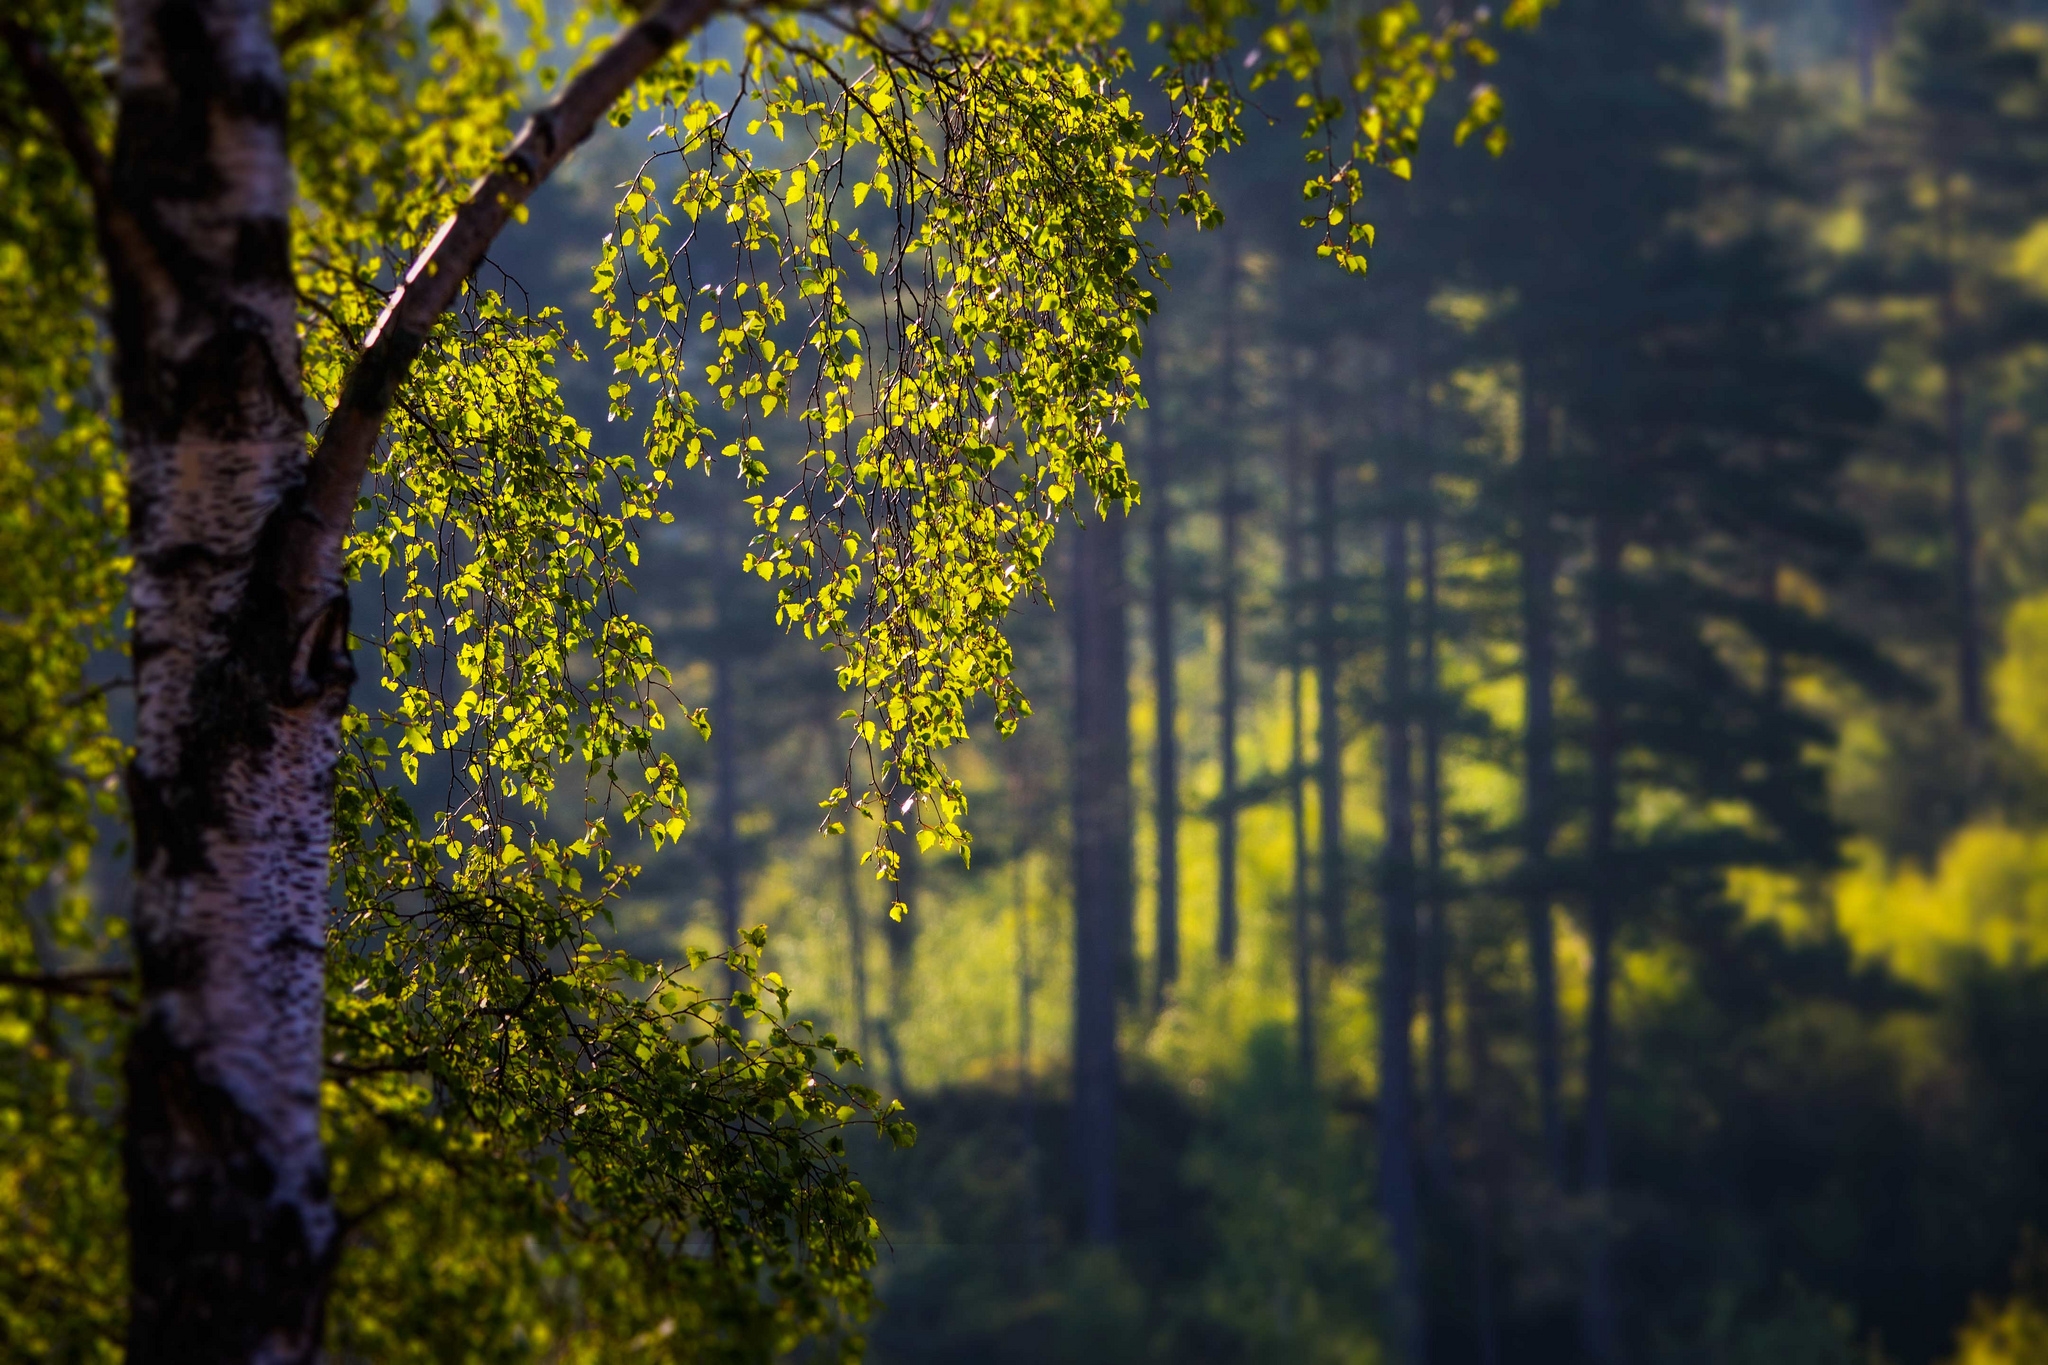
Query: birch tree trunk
[
  {"x": 240, "y": 647},
  {"x": 241, "y": 676}
]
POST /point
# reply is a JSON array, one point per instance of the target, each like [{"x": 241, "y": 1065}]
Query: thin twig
[
  {"x": 101, "y": 983},
  {"x": 322, "y": 20}
]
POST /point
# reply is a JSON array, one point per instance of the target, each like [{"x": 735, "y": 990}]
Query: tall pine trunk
[
  {"x": 1436, "y": 945},
  {"x": 1601, "y": 1336},
  {"x": 1397, "y": 963},
  {"x": 1962, "y": 530},
  {"x": 1867, "y": 40},
  {"x": 1297, "y": 755},
  {"x": 1479, "y": 1071},
  {"x": 899, "y": 935},
  {"x": 856, "y": 938},
  {"x": 1330, "y": 891},
  {"x": 1027, "y": 1087},
  {"x": 1228, "y": 512},
  {"x": 1539, "y": 757},
  {"x": 1165, "y": 710},
  {"x": 1102, "y": 857},
  {"x": 725, "y": 835}
]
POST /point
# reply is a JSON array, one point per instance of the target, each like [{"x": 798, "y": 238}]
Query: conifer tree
[{"x": 1946, "y": 179}]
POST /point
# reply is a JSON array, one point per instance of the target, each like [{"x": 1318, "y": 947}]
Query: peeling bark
[{"x": 239, "y": 694}]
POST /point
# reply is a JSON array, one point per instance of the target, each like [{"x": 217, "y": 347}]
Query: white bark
[{"x": 231, "y": 782}]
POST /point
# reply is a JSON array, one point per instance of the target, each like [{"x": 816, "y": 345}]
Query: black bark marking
[
  {"x": 161, "y": 149},
  {"x": 233, "y": 389},
  {"x": 268, "y": 661},
  {"x": 263, "y": 250}
]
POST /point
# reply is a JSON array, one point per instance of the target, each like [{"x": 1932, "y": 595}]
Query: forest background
[{"x": 1638, "y": 584}]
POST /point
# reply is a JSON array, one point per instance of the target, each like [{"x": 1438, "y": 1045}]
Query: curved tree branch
[{"x": 435, "y": 278}]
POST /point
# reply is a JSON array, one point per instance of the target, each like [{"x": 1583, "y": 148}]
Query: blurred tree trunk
[
  {"x": 1166, "y": 708},
  {"x": 856, "y": 938},
  {"x": 1027, "y": 1083},
  {"x": 1297, "y": 782},
  {"x": 725, "y": 769},
  {"x": 1479, "y": 1186},
  {"x": 1228, "y": 512},
  {"x": 725, "y": 852},
  {"x": 1397, "y": 910},
  {"x": 1962, "y": 524},
  {"x": 1436, "y": 947},
  {"x": 1329, "y": 719},
  {"x": 900, "y": 935},
  {"x": 1103, "y": 966},
  {"x": 1601, "y": 1337},
  {"x": 1539, "y": 749}
]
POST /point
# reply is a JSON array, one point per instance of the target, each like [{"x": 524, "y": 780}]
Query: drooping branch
[{"x": 435, "y": 278}]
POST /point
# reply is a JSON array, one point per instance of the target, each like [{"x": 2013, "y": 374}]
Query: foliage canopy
[{"x": 923, "y": 242}]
